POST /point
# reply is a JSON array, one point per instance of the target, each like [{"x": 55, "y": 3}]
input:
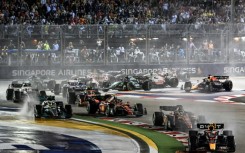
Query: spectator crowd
[{"x": 74, "y": 12}]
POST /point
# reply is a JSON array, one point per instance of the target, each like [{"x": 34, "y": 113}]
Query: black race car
[
  {"x": 212, "y": 139},
  {"x": 210, "y": 84},
  {"x": 131, "y": 83},
  {"x": 52, "y": 109}
]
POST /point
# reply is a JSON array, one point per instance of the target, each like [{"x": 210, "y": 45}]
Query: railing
[{"x": 41, "y": 45}]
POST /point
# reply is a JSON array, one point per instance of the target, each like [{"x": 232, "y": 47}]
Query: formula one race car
[
  {"x": 52, "y": 109},
  {"x": 17, "y": 90},
  {"x": 110, "y": 105},
  {"x": 104, "y": 79},
  {"x": 75, "y": 83},
  {"x": 210, "y": 84},
  {"x": 163, "y": 80},
  {"x": 212, "y": 139},
  {"x": 79, "y": 97},
  {"x": 175, "y": 118},
  {"x": 131, "y": 83},
  {"x": 42, "y": 83}
]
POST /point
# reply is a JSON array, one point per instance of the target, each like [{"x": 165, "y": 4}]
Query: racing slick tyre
[
  {"x": 38, "y": 111},
  {"x": 92, "y": 108},
  {"x": 71, "y": 97},
  {"x": 68, "y": 110},
  {"x": 57, "y": 89},
  {"x": 193, "y": 133},
  {"x": 231, "y": 145},
  {"x": 9, "y": 94},
  {"x": 110, "y": 111},
  {"x": 157, "y": 118},
  {"x": 64, "y": 92},
  {"x": 173, "y": 82},
  {"x": 51, "y": 84},
  {"x": 17, "y": 96},
  {"x": 228, "y": 85},
  {"x": 193, "y": 141},
  {"x": 187, "y": 86},
  {"x": 147, "y": 85},
  {"x": 43, "y": 93},
  {"x": 227, "y": 132},
  {"x": 139, "y": 111}
]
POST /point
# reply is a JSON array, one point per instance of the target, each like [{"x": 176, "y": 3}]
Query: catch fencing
[
  {"x": 64, "y": 50},
  {"x": 158, "y": 44}
]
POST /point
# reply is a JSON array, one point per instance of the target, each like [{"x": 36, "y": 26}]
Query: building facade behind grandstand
[{"x": 64, "y": 50}]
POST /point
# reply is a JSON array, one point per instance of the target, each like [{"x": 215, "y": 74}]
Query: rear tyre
[
  {"x": 174, "y": 82},
  {"x": 139, "y": 110},
  {"x": 17, "y": 96},
  {"x": 187, "y": 86},
  {"x": 64, "y": 91},
  {"x": 92, "y": 108},
  {"x": 193, "y": 141},
  {"x": 43, "y": 93},
  {"x": 228, "y": 85},
  {"x": 231, "y": 144},
  {"x": 157, "y": 118},
  {"x": 68, "y": 110},
  {"x": 57, "y": 89},
  {"x": 71, "y": 97},
  {"x": 147, "y": 85},
  {"x": 9, "y": 94},
  {"x": 38, "y": 111},
  {"x": 227, "y": 132}
]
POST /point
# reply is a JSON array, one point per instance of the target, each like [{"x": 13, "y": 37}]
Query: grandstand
[{"x": 102, "y": 32}]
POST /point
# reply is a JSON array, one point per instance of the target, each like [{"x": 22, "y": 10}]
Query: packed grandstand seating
[
  {"x": 49, "y": 32},
  {"x": 119, "y": 11}
]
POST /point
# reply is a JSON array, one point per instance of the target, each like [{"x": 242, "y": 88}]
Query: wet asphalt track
[
  {"x": 14, "y": 139},
  {"x": 199, "y": 103}
]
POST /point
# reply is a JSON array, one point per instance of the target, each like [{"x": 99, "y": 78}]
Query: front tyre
[{"x": 187, "y": 86}]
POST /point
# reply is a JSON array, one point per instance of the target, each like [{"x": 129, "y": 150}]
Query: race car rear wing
[
  {"x": 221, "y": 77},
  {"x": 168, "y": 108},
  {"x": 207, "y": 125}
]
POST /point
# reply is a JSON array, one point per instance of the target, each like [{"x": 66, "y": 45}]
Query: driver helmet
[{"x": 211, "y": 127}]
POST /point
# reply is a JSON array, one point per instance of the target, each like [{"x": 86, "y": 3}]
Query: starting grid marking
[{"x": 179, "y": 136}]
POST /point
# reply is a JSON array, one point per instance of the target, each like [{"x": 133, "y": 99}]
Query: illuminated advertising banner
[{"x": 68, "y": 71}]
